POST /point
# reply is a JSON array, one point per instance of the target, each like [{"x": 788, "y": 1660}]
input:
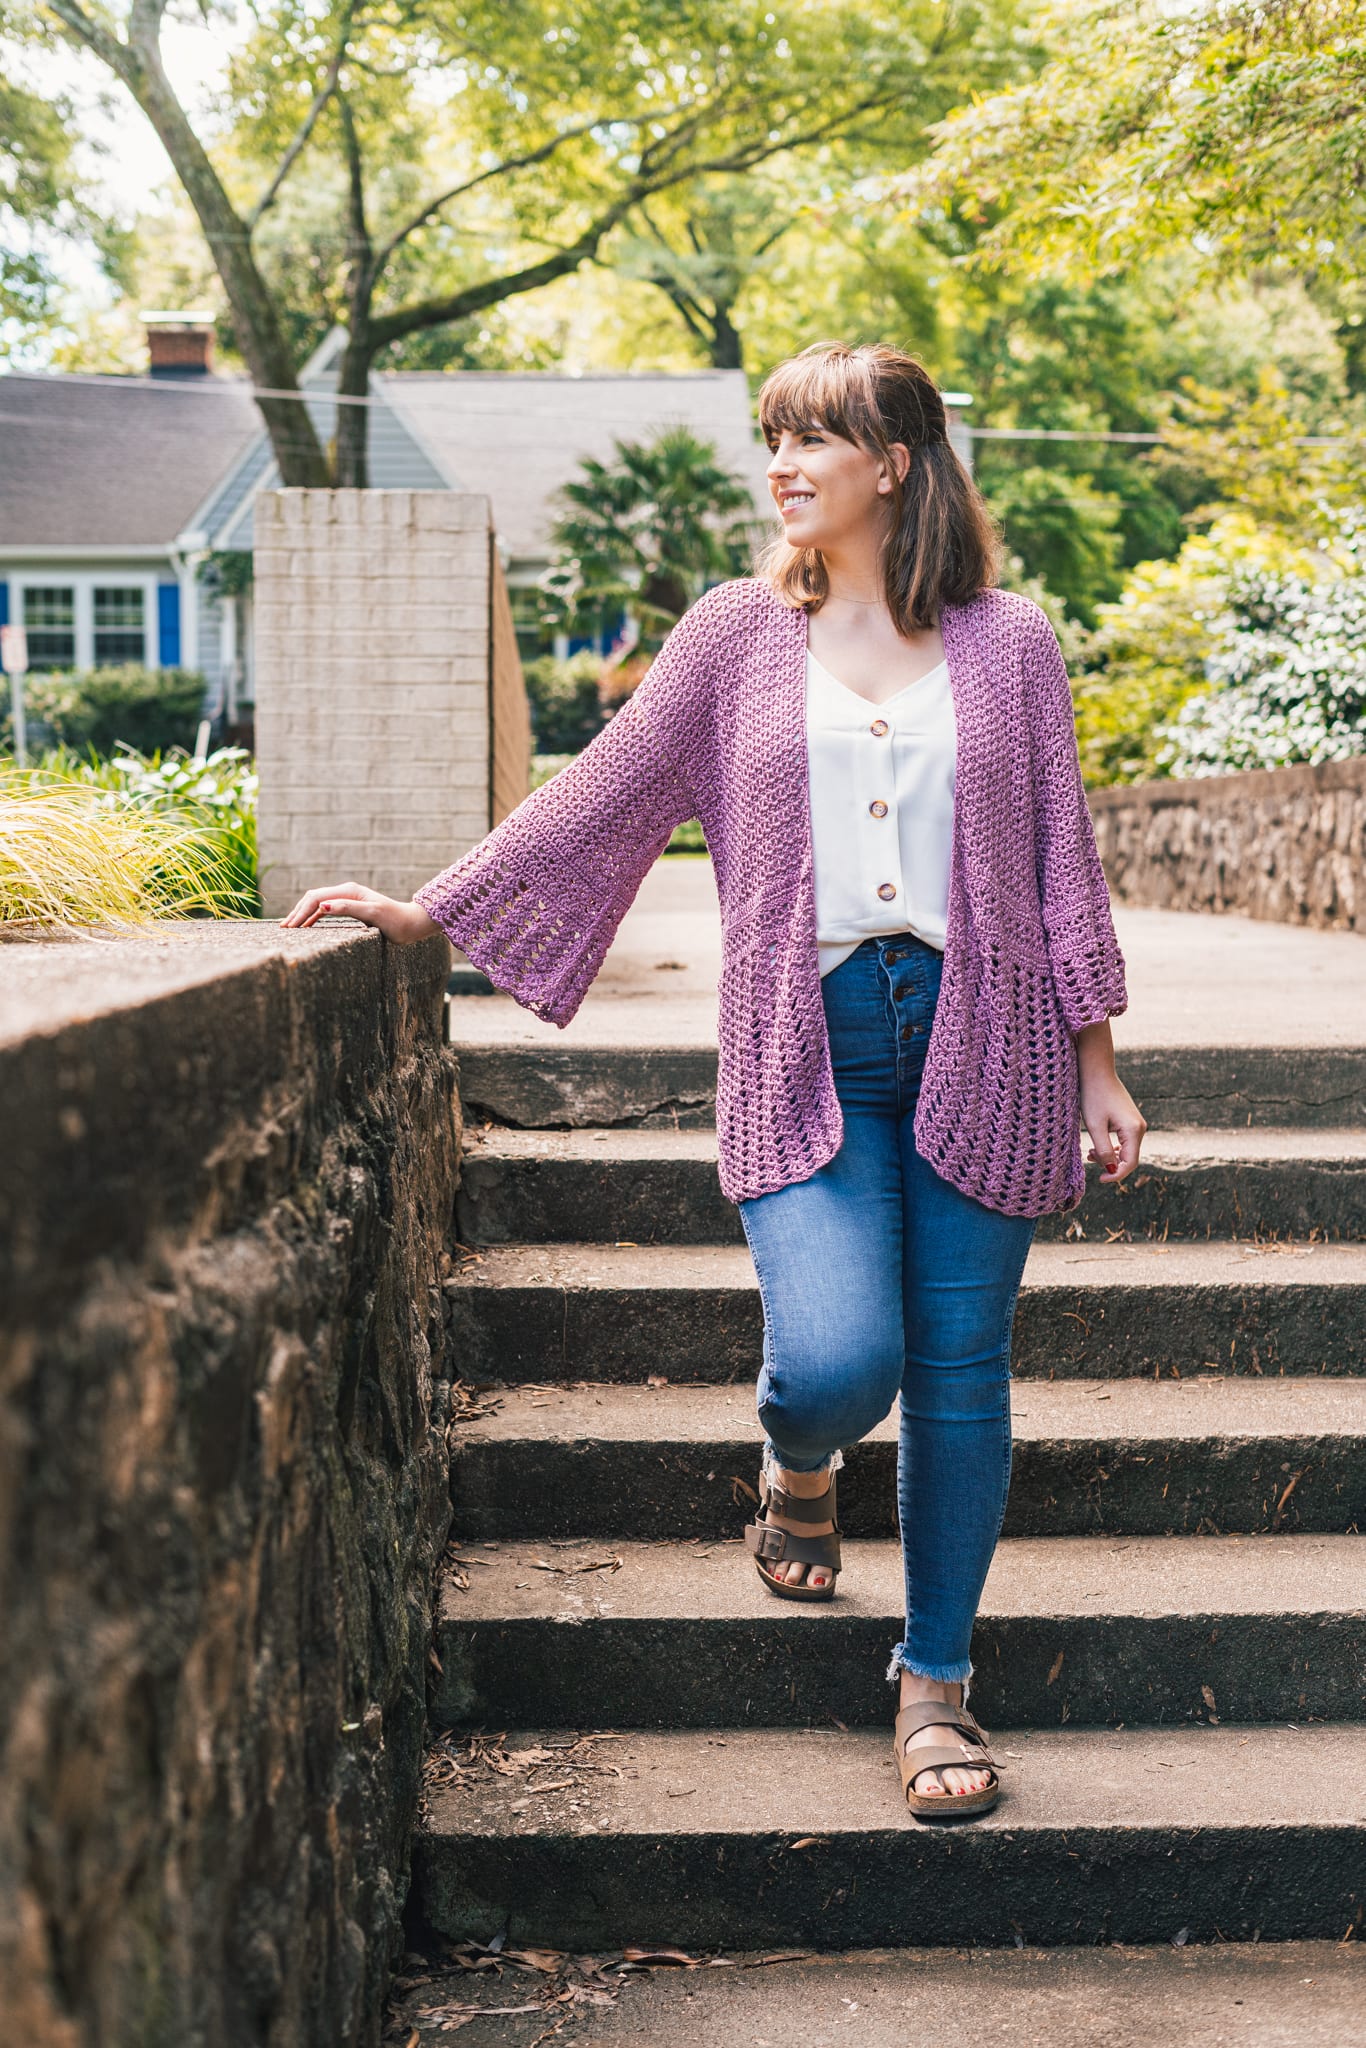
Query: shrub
[
  {"x": 566, "y": 708},
  {"x": 1288, "y": 669},
  {"x": 149, "y": 709},
  {"x": 1150, "y": 650}
]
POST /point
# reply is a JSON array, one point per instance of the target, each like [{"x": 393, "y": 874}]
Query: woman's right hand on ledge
[{"x": 401, "y": 922}]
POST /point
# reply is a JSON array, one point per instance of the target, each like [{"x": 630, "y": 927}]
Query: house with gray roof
[{"x": 122, "y": 500}]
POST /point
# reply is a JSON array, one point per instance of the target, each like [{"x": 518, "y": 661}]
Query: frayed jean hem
[
  {"x": 833, "y": 1461},
  {"x": 942, "y": 1674}
]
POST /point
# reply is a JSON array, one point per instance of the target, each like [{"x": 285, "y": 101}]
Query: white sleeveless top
[{"x": 881, "y": 779}]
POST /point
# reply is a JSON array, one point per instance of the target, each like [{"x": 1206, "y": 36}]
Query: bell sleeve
[
  {"x": 536, "y": 904},
  {"x": 1083, "y": 951}
]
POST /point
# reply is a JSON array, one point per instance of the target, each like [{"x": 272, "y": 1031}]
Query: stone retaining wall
[
  {"x": 229, "y": 1164},
  {"x": 1282, "y": 843}
]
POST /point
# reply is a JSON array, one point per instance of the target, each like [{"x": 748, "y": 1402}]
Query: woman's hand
[
  {"x": 401, "y": 922},
  {"x": 1112, "y": 1118}
]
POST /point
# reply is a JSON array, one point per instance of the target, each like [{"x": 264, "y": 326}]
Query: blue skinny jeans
[{"x": 879, "y": 1279}]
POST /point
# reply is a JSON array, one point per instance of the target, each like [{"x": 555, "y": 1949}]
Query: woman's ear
[{"x": 900, "y": 456}]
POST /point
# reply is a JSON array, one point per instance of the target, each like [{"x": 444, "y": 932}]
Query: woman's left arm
[
  {"x": 1113, "y": 1120},
  {"x": 1087, "y": 965},
  {"x": 1074, "y": 898}
]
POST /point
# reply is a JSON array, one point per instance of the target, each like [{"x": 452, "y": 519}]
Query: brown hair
[{"x": 943, "y": 544}]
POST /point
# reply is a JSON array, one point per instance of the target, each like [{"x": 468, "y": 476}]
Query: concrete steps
[
  {"x": 1175, "y": 1623},
  {"x": 749, "y": 1837},
  {"x": 631, "y": 1081},
  {"x": 1276, "y": 1994},
  {"x": 660, "y": 1187},
  {"x": 1071, "y": 1629},
  {"x": 1215, "y": 1454},
  {"x": 1086, "y": 1310}
]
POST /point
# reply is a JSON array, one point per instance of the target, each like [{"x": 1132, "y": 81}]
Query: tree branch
[
  {"x": 144, "y": 25},
  {"x": 473, "y": 299},
  {"x": 493, "y": 290},
  {"x": 96, "y": 37},
  {"x": 512, "y": 163},
  {"x": 306, "y": 126}
]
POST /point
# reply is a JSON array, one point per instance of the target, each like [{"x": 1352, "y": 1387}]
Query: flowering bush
[
  {"x": 1285, "y": 672},
  {"x": 1152, "y": 648}
]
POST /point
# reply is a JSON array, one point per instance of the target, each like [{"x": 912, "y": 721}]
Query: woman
[{"x": 918, "y": 973}]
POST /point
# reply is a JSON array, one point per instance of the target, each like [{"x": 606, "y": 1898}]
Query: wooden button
[
  {"x": 878, "y": 808},
  {"x": 886, "y": 890},
  {"x": 878, "y": 727}
]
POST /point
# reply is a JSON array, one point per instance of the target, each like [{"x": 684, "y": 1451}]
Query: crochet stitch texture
[{"x": 716, "y": 731}]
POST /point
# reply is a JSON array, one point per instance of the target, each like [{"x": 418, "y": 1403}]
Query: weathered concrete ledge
[
  {"x": 230, "y": 1155},
  {"x": 1287, "y": 844}
]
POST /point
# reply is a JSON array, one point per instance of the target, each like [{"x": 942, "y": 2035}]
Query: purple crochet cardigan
[{"x": 717, "y": 731}]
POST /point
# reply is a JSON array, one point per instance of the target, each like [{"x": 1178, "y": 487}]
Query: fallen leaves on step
[
  {"x": 565, "y": 1983},
  {"x": 572, "y": 1571},
  {"x": 454, "y": 1759}
]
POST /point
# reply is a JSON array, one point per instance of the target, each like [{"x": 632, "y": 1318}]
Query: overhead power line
[{"x": 214, "y": 387}]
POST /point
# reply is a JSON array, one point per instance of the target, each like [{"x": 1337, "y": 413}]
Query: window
[
  {"x": 120, "y": 626},
  {"x": 50, "y": 624}
]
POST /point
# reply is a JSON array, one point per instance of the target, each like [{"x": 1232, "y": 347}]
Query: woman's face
[{"x": 831, "y": 494}]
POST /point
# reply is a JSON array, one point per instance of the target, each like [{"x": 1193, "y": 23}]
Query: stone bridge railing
[
  {"x": 1282, "y": 843},
  {"x": 229, "y": 1164}
]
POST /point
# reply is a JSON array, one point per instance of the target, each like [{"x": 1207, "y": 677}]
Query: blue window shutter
[
  {"x": 4, "y": 602},
  {"x": 168, "y": 624}
]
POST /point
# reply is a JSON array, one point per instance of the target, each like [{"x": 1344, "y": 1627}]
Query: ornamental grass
[{"x": 78, "y": 857}]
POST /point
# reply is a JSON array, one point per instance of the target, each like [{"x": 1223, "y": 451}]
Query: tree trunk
[
  {"x": 727, "y": 350},
  {"x": 296, "y": 447},
  {"x": 353, "y": 377},
  {"x": 353, "y": 421}
]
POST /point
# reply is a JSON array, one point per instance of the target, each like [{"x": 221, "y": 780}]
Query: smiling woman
[
  {"x": 919, "y": 967},
  {"x": 842, "y": 412}
]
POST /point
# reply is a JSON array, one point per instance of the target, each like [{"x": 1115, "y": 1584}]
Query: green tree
[
  {"x": 38, "y": 189},
  {"x": 647, "y": 532},
  {"x": 1238, "y": 126},
  {"x": 471, "y": 156}
]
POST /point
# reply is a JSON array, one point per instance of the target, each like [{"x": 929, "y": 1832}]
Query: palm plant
[{"x": 646, "y": 533}]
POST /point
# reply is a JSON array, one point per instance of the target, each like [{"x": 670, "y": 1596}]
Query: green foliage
[
  {"x": 1286, "y": 670},
  {"x": 648, "y": 532},
  {"x": 101, "y": 708},
  {"x": 1236, "y": 126},
  {"x": 1150, "y": 650},
  {"x": 114, "y": 842},
  {"x": 39, "y": 190},
  {"x": 1277, "y": 507},
  {"x": 1064, "y": 531},
  {"x": 228, "y": 571},
  {"x": 566, "y": 704}
]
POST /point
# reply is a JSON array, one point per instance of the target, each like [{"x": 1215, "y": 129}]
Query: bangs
[{"x": 834, "y": 392}]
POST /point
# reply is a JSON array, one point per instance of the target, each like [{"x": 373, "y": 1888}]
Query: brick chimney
[{"x": 180, "y": 345}]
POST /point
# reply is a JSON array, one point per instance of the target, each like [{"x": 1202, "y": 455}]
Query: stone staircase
[{"x": 1171, "y": 1652}]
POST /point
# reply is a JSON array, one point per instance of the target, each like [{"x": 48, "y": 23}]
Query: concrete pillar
[{"x": 391, "y": 719}]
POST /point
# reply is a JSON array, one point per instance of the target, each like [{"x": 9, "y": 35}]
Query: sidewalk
[{"x": 1193, "y": 980}]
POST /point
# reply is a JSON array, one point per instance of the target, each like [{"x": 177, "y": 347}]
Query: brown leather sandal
[
  {"x": 772, "y": 1544},
  {"x": 918, "y": 1714}
]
